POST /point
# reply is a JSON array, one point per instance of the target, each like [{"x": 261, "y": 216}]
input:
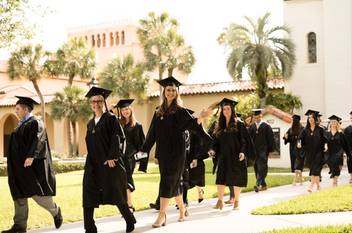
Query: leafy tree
[
  {"x": 123, "y": 76},
  {"x": 30, "y": 63},
  {"x": 74, "y": 59},
  {"x": 164, "y": 48},
  {"x": 284, "y": 101},
  {"x": 260, "y": 51},
  {"x": 72, "y": 105}
]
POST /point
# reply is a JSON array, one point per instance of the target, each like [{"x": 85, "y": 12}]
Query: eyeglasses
[{"x": 96, "y": 101}]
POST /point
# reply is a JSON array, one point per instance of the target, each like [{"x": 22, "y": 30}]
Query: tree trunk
[
  {"x": 42, "y": 103},
  {"x": 170, "y": 71},
  {"x": 70, "y": 81},
  {"x": 160, "y": 78},
  {"x": 69, "y": 139},
  {"x": 261, "y": 78},
  {"x": 74, "y": 139}
]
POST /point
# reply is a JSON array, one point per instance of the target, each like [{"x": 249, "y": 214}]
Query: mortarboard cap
[
  {"x": 296, "y": 117},
  {"x": 226, "y": 101},
  {"x": 98, "y": 91},
  {"x": 169, "y": 81},
  {"x": 257, "y": 111},
  {"x": 334, "y": 117},
  {"x": 124, "y": 103},
  {"x": 26, "y": 101},
  {"x": 310, "y": 111},
  {"x": 190, "y": 111},
  {"x": 351, "y": 112}
]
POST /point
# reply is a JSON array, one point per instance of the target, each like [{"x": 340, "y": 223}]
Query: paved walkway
[{"x": 205, "y": 219}]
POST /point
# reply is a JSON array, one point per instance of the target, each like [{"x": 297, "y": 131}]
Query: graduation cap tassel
[{"x": 106, "y": 106}]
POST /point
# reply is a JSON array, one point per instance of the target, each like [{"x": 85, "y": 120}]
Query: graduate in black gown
[
  {"x": 134, "y": 137},
  {"x": 104, "y": 180},
  {"x": 296, "y": 154},
  {"x": 167, "y": 132},
  {"x": 313, "y": 141},
  {"x": 230, "y": 147},
  {"x": 29, "y": 167},
  {"x": 263, "y": 139},
  {"x": 348, "y": 134},
  {"x": 337, "y": 146},
  {"x": 197, "y": 146}
]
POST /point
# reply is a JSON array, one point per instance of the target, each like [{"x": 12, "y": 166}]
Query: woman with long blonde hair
[
  {"x": 337, "y": 145},
  {"x": 167, "y": 131}
]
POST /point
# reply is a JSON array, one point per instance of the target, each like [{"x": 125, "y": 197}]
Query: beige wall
[
  {"x": 338, "y": 57},
  {"x": 308, "y": 80}
]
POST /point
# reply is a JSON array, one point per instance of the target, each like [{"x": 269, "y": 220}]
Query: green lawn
[
  {"x": 329, "y": 200},
  {"x": 320, "y": 229},
  {"x": 69, "y": 196}
]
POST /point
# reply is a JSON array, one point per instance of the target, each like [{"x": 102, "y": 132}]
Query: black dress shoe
[
  {"x": 15, "y": 229},
  {"x": 58, "y": 219},
  {"x": 154, "y": 206},
  {"x": 256, "y": 189},
  {"x": 130, "y": 227}
]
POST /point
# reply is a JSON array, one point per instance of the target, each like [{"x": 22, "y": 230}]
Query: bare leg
[
  {"x": 312, "y": 181},
  {"x": 237, "y": 191},
  {"x": 161, "y": 219},
  {"x": 181, "y": 206},
  {"x": 220, "y": 203},
  {"x": 129, "y": 198}
]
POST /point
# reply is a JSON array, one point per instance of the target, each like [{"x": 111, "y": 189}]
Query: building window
[
  {"x": 86, "y": 38},
  {"x": 104, "y": 40},
  {"x": 117, "y": 38},
  {"x": 98, "y": 41},
  {"x": 111, "y": 39},
  {"x": 312, "y": 47},
  {"x": 93, "y": 41},
  {"x": 123, "y": 37}
]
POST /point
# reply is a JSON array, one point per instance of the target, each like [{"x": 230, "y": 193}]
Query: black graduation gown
[
  {"x": 296, "y": 154},
  {"x": 168, "y": 133},
  {"x": 228, "y": 145},
  {"x": 313, "y": 146},
  {"x": 102, "y": 184},
  {"x": 134, "y": 141},
  {"x": 348, "y": 135},
  {"x": 263, "y": 140},
  {"x": 30, "y": 139},
  {"x": 337, "y": 145}
]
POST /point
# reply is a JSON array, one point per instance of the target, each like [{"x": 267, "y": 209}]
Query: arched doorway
[{"x": 10, "y": 124}]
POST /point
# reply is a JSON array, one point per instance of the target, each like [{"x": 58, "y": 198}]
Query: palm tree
[
  {"x": 178, "y": 56},
  {"x": 30, "y": 63},
  {"x": 152, "y": 33},
  {"x": 284, "y": 101},
  {"x": 260, "y": 51},
  {"x": 123, "y": 76},
  {"x": 72, "y": 105},
  {"x": 74, "y": 59}
]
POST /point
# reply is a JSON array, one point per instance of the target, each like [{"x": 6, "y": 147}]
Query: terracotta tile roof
[
  {"x": 278, "y": 113},
  {"x": 223, "y": 87},
  {"x": 8, "y": 92}
]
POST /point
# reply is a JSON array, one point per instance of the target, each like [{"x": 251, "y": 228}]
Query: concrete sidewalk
[{"x": 203, "y": 218}]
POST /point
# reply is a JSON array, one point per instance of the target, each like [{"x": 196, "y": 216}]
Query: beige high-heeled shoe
[
  {"x": 156, "y": 225},
  {"x": 236, "y": 204},
  {"x": 185, "y": 214},
  {"x": 219, "y": 205}
]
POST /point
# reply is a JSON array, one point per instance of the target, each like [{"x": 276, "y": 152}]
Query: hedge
[{"x": 58, "y": 167}]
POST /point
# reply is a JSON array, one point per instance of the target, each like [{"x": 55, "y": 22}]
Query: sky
[{"x": 201, "y": 22}]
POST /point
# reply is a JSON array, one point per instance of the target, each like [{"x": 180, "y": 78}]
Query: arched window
[
  {"x": 104, "y": 40},
  {"x": 123, "y": 37},
  {"x": 111, "y": 39},
  {"x": 117, "y": 38},
  {"x": 312, "y": 47},
  {"x": 93, "y": 41},
  {"x": 98, "y": 41}
]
